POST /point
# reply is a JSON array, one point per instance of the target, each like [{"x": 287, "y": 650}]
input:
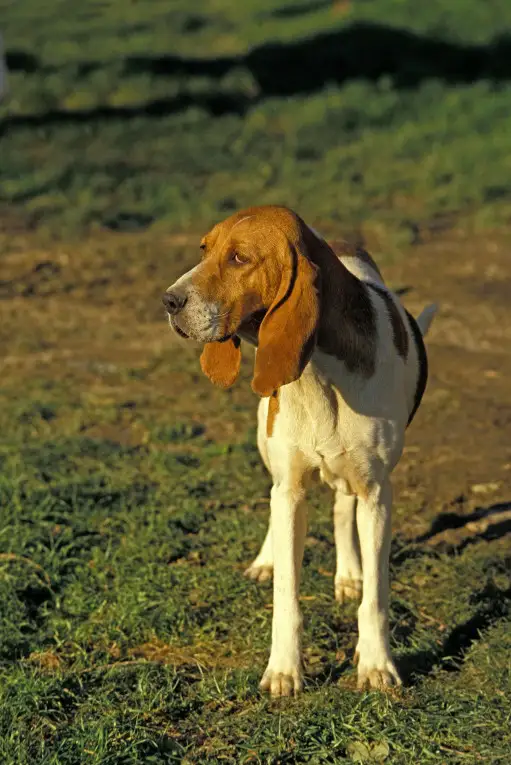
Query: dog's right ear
[{"x": 221, "y": 361}]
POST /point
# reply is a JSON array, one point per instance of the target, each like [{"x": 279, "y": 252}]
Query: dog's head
[{"x": 255, "y": 264}]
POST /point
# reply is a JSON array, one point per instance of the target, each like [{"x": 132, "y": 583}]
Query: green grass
[
  {"x": 129, "y": 634},
  {"x": 131, "y": 493},
  {"x": 380, "y": 116},
  {"x": 105, "y": 29}
]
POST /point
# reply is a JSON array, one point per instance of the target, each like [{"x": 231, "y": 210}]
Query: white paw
[
  {"x": 347, "y": 589},
  {"x": 259, "y": 572},
  {"x": 380, "y": 675},
  {"x": 287, "y": 682}
]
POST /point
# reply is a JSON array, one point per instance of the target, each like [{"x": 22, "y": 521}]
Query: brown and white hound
[{"x": 341, "y": 368}]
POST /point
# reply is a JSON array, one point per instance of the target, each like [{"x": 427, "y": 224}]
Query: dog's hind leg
[
  {"x": 262, "y": 568},
  {"x": 348, "y": 572}
]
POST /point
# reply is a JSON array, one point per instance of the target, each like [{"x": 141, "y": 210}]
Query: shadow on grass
[
  {"x": 492, "y": 605},
  {"x": 298, "y": 9},
  {"x": 447, "y": 521},
  {"x": 483, "y": 524},
  {"x": 330, "y": 672},
  {"x": 216, "y": 104},
  {"x": 366, "y": 51}
]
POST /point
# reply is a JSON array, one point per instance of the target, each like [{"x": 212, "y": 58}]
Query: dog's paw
[
  {"x": 286, "y": 683},
  {"x": 381, "y": 676},
  {"x": 347, "y": 589},
  {"x": 259, "y": 573}
]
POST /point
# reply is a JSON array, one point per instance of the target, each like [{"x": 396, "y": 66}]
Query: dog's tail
[{"x": 426, "y": 317}]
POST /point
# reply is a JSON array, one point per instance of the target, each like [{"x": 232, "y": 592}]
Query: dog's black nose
[{"x": 173, "y": 302}]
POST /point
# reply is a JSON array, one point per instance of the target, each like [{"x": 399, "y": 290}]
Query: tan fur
[
  {"x": 221, "y": 361},
  {"x": 277, "y": 278},
  {"x": 273, "y": 410},
  {"x": 280, "y": 278},
  {"x": 288, "y": 331}
]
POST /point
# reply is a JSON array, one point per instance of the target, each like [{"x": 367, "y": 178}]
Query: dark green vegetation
[
  {"x": 126, "y": 113},
  {"x": 131, "y": 493}
]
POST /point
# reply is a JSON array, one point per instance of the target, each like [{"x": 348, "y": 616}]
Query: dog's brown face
[
  {"x": 239, "y": 274},
  {"x": 253, "y": 262}
]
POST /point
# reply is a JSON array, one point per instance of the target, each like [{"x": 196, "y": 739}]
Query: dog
[{"x": 341, "y": 369}]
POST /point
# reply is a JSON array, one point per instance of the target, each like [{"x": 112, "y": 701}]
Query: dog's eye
[{"x": 240, "y": 260}]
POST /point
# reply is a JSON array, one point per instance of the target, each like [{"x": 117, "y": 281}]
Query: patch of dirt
[
  {"x": 459, "y": 444},
  {"x": 46, "y": 661},
  {"x": 88, "y": 316}
]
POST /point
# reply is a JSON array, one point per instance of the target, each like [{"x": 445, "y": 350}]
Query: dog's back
[{"x": 408, "y": 332}]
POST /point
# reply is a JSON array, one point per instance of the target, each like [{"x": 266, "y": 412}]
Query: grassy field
[
  {"x": 126, "y": 114},
  {"x": 132, "y": 496}
]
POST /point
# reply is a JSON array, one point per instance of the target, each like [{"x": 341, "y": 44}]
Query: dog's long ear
[
  {"x": 288, "y": 332},
  {"x": 221, "y": 361}
]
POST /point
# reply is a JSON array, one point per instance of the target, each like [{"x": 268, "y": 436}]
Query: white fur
[
  {"x": 350, "y": 429},
  {"x": 425, "y": 318},
  {"x": 200, "y": 319}
]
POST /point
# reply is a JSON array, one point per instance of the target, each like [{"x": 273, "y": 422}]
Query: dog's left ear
[
  {"x": 288, "y": 332},
  {"x": 221, "y": 361}
]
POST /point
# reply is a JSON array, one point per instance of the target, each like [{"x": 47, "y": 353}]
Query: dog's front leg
[
  {"x": 375, "y": 665},
  {"x": 283, "y": 676}
]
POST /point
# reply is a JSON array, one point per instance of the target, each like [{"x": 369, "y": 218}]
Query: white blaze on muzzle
[{"x": 189, "y": 314}]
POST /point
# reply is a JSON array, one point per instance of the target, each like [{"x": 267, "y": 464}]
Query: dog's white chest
[{"x": 328, "y": 427}]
